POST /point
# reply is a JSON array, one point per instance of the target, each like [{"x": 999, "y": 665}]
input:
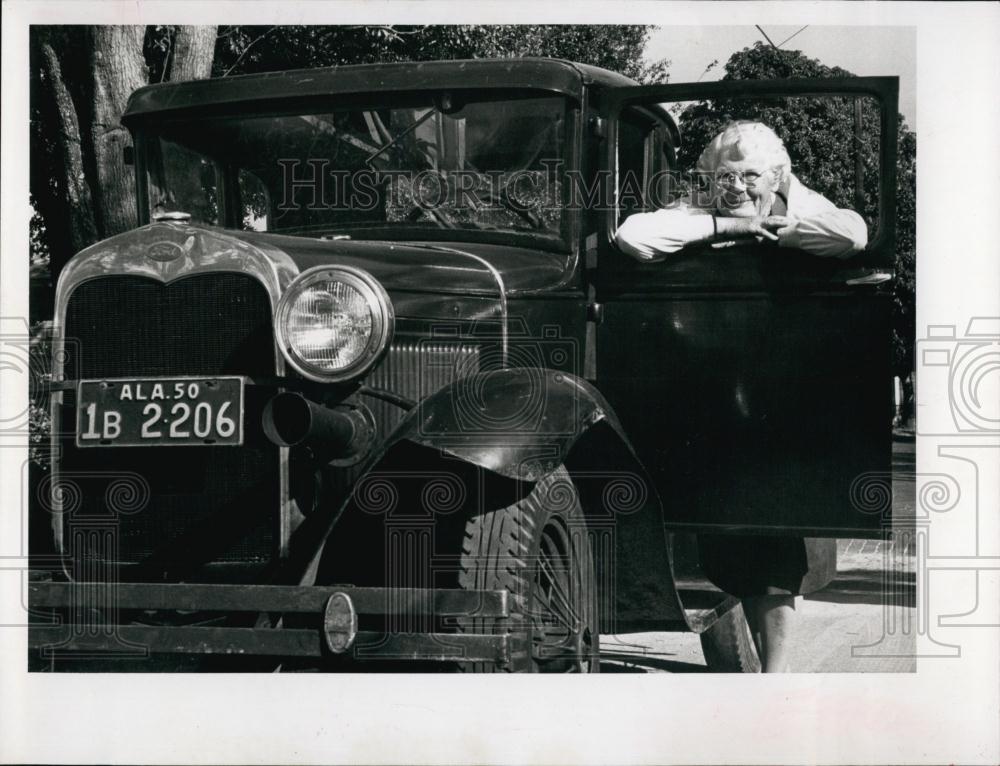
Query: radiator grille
[
  {"x": 416, "y": 370},
  {"x": 207, "y": 505},
  {"x": 202, "y": 325}
]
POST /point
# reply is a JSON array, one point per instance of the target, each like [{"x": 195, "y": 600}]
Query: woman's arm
[
  {"x": 835, "y": 234},
  {"x": 654, "y": 236},
  {"x": 819, "y": 227}
]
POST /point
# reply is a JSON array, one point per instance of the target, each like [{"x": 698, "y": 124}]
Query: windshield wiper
[{"x": 416, "y": 124}]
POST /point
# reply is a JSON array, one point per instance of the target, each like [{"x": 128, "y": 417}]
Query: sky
[{"x": 863, "y": 50}]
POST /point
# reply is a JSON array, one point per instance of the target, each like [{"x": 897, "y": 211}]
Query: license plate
[{"x": 150, "y": 412}]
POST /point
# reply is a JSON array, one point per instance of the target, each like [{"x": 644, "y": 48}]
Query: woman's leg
[{"x": 771, "y": 619}]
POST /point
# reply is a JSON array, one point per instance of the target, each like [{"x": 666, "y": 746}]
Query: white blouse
[{"x": 822, "y": 228}]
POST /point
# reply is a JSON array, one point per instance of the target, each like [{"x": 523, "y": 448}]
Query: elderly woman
[{"x": 753, "y": 194}]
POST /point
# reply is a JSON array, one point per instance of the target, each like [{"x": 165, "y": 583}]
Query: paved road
[{"x": 862, "y": 622}]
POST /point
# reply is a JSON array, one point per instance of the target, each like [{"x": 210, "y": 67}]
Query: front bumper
[{"x": 83, "y": 621}]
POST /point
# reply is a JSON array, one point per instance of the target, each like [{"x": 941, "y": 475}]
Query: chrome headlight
[{"x": 334, "y": 323}]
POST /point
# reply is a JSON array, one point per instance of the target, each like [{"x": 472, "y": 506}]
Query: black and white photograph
[{"x": 353, "y": 352}]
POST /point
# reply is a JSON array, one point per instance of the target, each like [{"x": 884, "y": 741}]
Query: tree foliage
[
  {"x": 820, "y": 136},
  {"x": 247, "y": 49}
]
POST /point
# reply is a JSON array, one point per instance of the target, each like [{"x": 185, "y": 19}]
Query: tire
[
  {"x": 539, "y": 551},
  {"x": 728, "y": 646}
]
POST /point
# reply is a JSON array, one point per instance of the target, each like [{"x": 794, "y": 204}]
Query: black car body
[{"x": 524, "y": 417}]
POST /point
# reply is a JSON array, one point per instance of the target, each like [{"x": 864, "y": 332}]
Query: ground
[{"x": 864, "y": 621}]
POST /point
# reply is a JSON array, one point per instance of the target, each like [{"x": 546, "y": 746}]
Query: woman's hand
[
  {"x": 757, "y": 226},
  {"x": 780, "y": 224},
  {"x": 786, "y": 227}
]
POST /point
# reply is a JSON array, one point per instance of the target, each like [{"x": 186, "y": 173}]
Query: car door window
[{"x": 640, "y": 162}]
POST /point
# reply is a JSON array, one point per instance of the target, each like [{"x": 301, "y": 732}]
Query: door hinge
[{"x": 595, "y": 313}]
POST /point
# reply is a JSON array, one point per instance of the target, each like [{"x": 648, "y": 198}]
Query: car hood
[
  {"x": 424, "y": 279},
  {"x": 429, "y": 267}
]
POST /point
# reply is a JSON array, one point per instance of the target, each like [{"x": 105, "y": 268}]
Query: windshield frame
[{"x": 147, "y": 131}]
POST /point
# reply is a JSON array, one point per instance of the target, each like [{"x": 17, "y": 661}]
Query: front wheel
[
  {"x": 728, "y": 646},
  {"x": 538, "y": 550}
]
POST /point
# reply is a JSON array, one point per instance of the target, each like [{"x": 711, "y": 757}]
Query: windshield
[{"x": 436, "y": 163}]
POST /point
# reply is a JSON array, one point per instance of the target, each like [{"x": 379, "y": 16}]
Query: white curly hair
[{"x": 741, "y": 140}]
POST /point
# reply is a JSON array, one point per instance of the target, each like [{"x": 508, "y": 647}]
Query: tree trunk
[
  {"x": 194, "y": 52},
  {"x": 81, "y": 229},
  {"x": 117, "y": 69}
]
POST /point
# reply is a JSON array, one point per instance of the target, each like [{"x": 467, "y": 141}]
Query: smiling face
[
  {"x": 744, "y": 187},
  {"x": 745, "y": 164}
]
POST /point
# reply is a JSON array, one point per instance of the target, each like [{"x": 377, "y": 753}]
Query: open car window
[
  {"x": 833, "y": 143},
  {"x": 839, "y": 135}
]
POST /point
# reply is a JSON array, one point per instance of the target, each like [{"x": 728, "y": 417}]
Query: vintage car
[{"x": 371, "y": 382}]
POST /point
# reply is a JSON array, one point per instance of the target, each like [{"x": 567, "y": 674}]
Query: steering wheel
[{"x": 509, "y": 202}]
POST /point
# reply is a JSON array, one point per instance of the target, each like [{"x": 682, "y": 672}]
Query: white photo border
[{"x": 947, "y": 711}]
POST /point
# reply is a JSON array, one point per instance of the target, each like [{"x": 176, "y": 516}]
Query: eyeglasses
[{"x": 728, "y": 177}]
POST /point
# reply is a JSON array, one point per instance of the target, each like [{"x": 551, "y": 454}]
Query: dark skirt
[{"x": 778, "y": 566}]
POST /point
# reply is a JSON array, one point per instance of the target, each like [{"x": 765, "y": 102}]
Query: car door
[{"x": 754, "y": 380}]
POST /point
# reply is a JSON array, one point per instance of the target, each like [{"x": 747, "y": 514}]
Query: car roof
[{"x": 556, "y": 75}]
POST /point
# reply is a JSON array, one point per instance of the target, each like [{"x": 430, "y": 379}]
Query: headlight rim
[{"x": 379, "y": 304}]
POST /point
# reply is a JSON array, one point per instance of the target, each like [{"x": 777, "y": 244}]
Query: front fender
[{"x": 519, "y": 423}]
